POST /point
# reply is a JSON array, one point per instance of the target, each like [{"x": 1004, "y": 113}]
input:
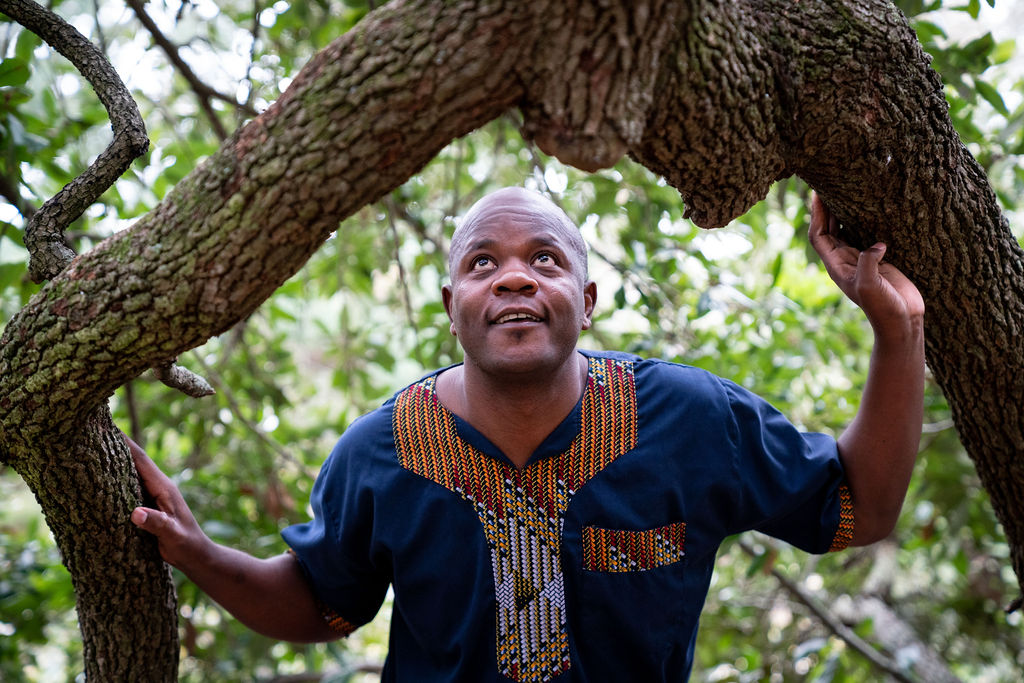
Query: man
[{"x": 550, "y": 514}]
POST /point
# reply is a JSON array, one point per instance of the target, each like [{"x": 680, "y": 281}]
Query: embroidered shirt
[{"x": 592, "y": 562}]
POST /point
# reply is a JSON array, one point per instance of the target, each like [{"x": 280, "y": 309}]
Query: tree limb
[
  {"x": 44, "y": 234},
  {"x": 9, "y": 191},
  {"x": 204, "y": 92},
  {"x": 184, "y": 380},
  {"x": 834, "y": 624}
]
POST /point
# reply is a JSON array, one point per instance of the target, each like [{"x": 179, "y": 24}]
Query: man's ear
[
  {"x": 446, "y": 299},
  {"x": 589, "y": 299}
]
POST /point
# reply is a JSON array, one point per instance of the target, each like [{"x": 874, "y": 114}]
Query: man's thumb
[{"x": 140, "y": 517}]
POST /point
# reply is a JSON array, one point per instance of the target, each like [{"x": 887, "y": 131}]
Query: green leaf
[
  {"x": 927, "y": 31},
  {"x": 992, "y": 97},
  {"x": 13, "y": 71},
  {"x": 1004, "y": 51}
]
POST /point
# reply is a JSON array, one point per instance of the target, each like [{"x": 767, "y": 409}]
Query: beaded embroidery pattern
[
  {"x": 522, "y": 511},
  {"x": 625, "y": 550}
]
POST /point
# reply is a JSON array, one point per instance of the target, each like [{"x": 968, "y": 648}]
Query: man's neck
[{"x": 515, "y": 414}]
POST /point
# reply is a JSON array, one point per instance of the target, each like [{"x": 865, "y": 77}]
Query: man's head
[
  {"x": 522, "y": 200},
  {"x": 519, "y": 295}
]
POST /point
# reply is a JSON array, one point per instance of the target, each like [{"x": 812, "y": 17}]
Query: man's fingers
[
  {"x": 824, "y": 229},
  {"x": 867, "y": 265},
  {"x": 148, "y": 519},
  {"x": 818, "y": 218},
  {"x": 151, "y": 474}
]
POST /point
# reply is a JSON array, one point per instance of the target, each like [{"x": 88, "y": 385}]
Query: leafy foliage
[{"x": 363, "y": 318}]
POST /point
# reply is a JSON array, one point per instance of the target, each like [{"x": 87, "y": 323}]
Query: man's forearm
[
  {"x": 270, "y": 596},
  {"x": 880, "y": 446}
]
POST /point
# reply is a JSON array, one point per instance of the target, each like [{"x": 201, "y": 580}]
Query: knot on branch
[
  {"x": 587, "y": 152},
  {"x": 185, "y": 381},
  {"x": 48, "y": 254}
]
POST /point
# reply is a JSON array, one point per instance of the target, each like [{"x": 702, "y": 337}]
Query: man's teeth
[{"x": 517, "y": 316}]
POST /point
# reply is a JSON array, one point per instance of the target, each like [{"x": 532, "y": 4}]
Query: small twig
[
  {"x": 389, "y": 206},
  {"x": 201, "y": 89},
  {"x": 456, "y": 172},
  {"x": 99, "y": 27},
  {"x": 833, "y": 624},
  {"x": 185, "y": 381},
  {"x": 9, "y": 191},
  {"x": 44, "y": 234},
  {"x": 419, "y": 227},
  {"x": 251, "y": 96},
  {"x": 934, "y": 427}
]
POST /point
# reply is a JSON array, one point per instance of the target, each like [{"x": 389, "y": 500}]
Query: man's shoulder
[{"x": 660, "y": 369}]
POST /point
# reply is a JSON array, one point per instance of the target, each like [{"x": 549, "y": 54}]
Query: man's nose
[{"x": 514, "y": 278}]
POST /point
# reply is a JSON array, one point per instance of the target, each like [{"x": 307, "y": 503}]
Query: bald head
[{"x": 523, "y": 204}]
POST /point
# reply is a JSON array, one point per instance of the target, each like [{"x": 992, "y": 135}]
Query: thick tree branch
[
  {"x": 44, "y": 234},
  {"x": 246, "y": 219}
]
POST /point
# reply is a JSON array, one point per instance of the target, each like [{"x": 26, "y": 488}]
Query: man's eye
[
  {"x": 482, "y": 262},
  {"x": 544, "y": 259}
]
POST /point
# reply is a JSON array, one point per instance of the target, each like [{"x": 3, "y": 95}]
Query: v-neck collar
[{"x": 555, "y": 443}]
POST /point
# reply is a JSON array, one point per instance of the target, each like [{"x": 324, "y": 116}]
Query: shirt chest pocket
[{"x": 626, "y": 550}]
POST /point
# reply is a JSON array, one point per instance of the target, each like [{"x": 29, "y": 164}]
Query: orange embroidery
[
  {"x": 844, "y": 534},
  {"x": 621, "y": 550}
]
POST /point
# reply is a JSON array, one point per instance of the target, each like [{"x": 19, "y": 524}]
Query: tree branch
[
  {"x": 183, "y": 380},
  {"x": 9, "y": 191},
  {"x": 389, "y": 208},
  {"x": 204, "y": 92},
  {"x": 834, "y": 624},
  {"x": 44, "y": 234}
]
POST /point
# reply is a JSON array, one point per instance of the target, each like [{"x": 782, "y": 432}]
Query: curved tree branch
[{"x": 44, "y": 234}]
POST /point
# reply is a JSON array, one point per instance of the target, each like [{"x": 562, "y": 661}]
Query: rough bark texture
[{"x": 720, "y": 97}]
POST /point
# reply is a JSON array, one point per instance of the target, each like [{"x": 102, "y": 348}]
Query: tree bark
[{"x": 722, "y": 98}]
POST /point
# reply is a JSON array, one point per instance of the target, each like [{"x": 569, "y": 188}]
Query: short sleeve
[
  {"x": 791, "y": 484},
  {"x": 335, "y": 548}
]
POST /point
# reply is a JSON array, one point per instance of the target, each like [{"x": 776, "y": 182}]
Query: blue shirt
[{"x": 591, "y": 563}]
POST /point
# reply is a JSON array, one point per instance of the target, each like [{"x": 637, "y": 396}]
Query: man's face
[{"x": 518, "y": 299}]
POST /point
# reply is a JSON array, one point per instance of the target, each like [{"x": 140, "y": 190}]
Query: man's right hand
[
  {"x": 270, "y": 596},
  {"x": 179, "y": 536}
]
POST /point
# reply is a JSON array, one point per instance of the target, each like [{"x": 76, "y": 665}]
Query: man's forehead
[
  {"x": 481, "y": 239},
  {"x": 514, "y": 204}
]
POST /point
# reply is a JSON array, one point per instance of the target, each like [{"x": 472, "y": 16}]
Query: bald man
[{"x": 545, "y": 513}]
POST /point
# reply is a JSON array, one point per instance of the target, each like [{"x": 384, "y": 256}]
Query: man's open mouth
[{"x": 516, "y": 317}]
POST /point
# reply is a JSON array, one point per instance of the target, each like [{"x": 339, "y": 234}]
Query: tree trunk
[{"x": 722, "y": 98}]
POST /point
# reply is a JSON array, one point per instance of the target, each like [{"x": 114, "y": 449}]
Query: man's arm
[
  {"x": 879, "y": 447},
  {"x": 269, "y": 596}
]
